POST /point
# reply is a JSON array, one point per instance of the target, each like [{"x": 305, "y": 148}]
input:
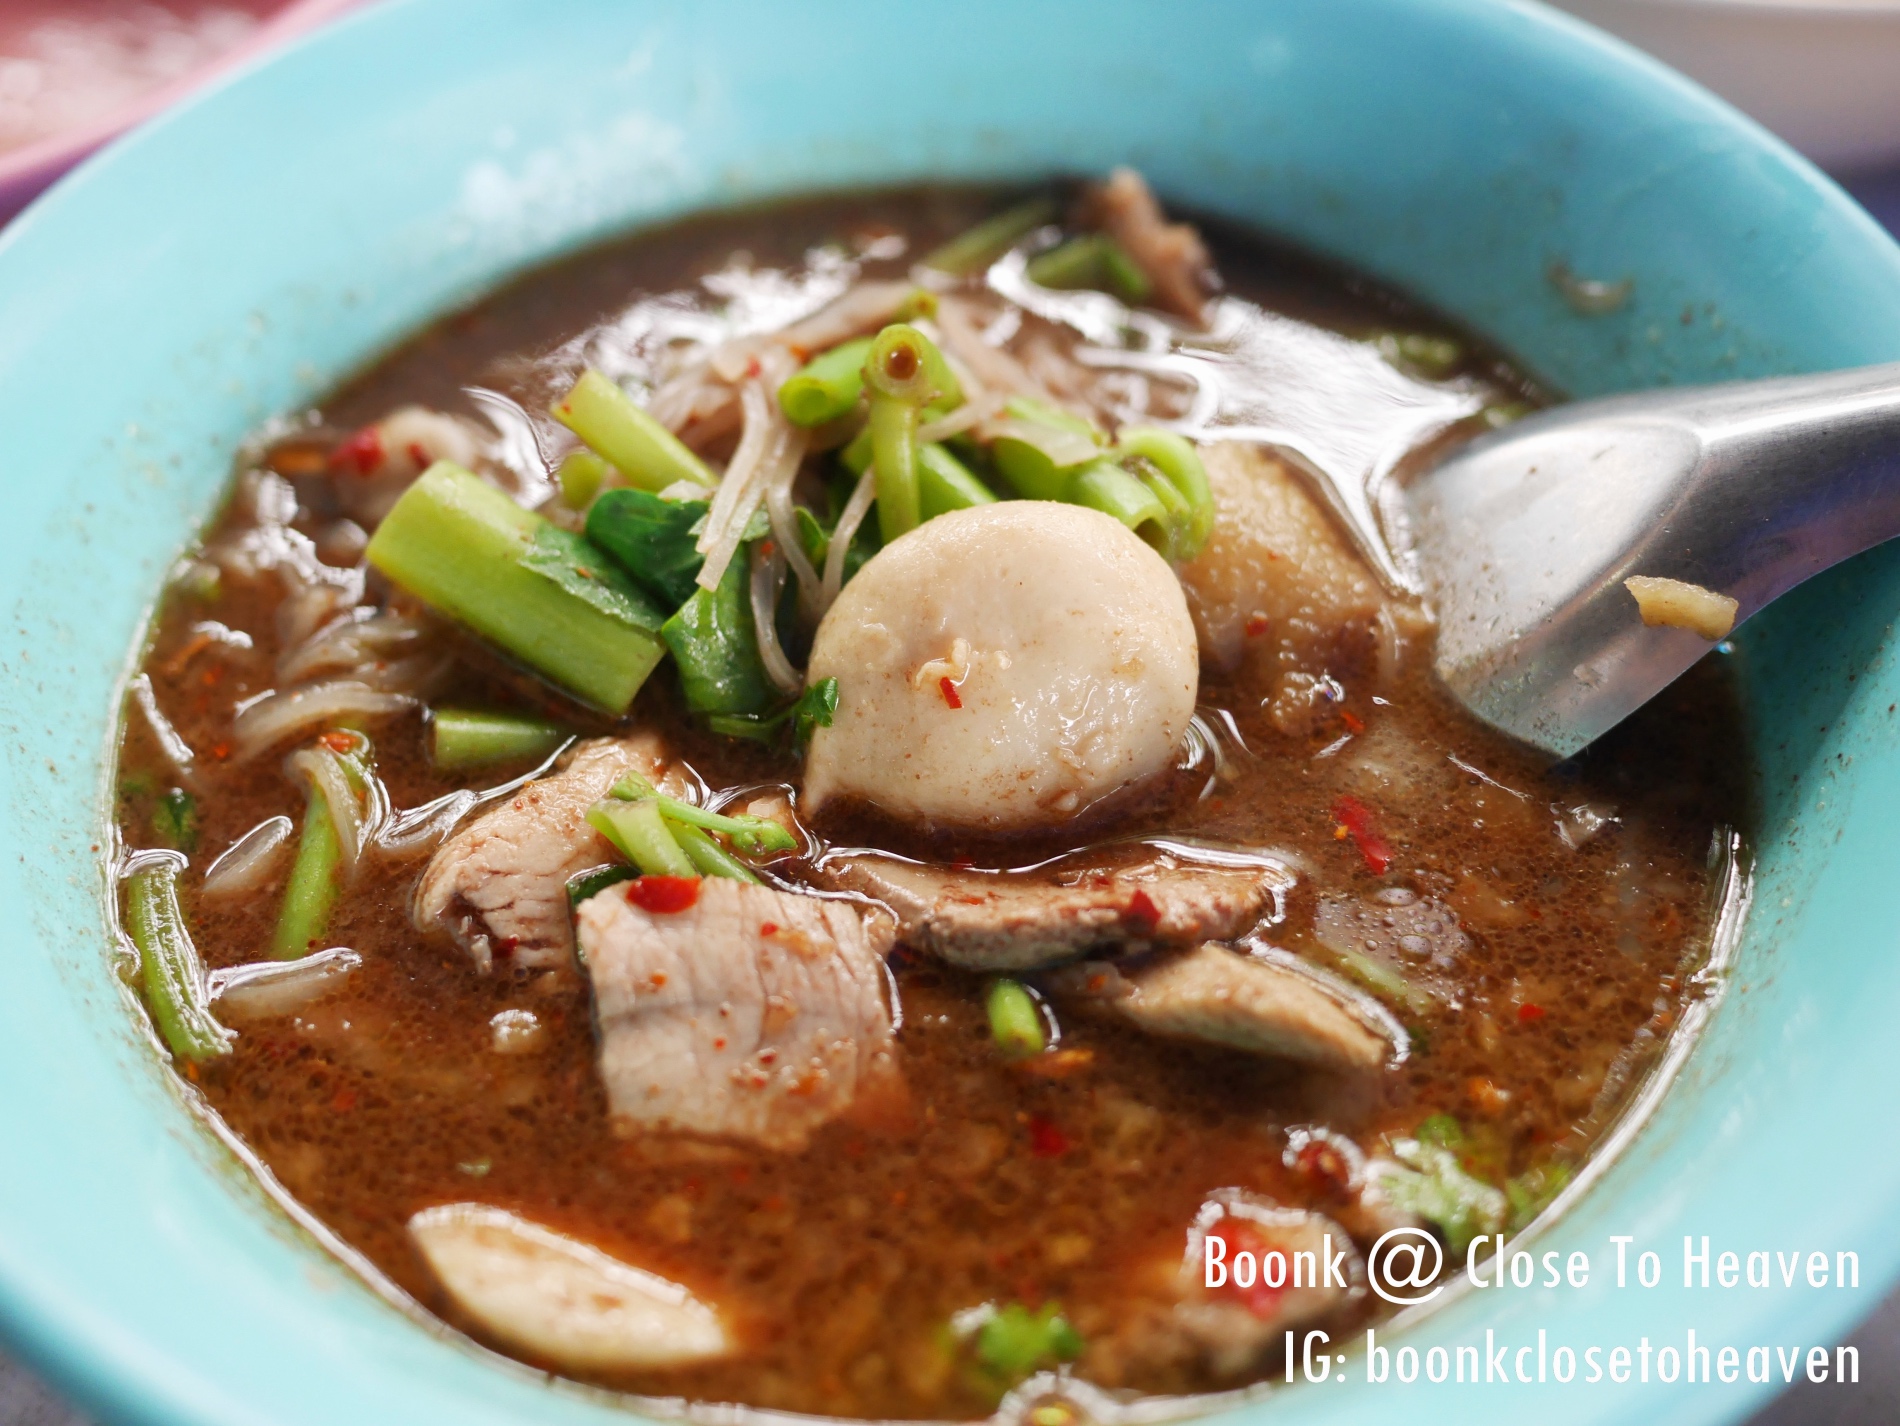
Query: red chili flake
[
  {"x": 1240, "y": 1237},
  {"x": 1529, "y": 1014},
  {"x": 949, "y": 691},
  {"x": 1256, "y": 625},
  {"x": 220, "y": 751},
  {"x": 1045, "y": 1140},
  {"x": 420, "y": 455},
  {"x": 338, "y": 742},
  {"x": 343, "y": 1101},
  {"x": 769, "y": 928},
  {"x": 360, "y": 454},
  {"x": 1354, "y": 723},
  {"x": 1325, "y": 1166},
  {"x": 663, "y": 895},
  {"x": 1142, "y": 914},
  {"x": 768, "y": 548},
  {"x": 1356, "y": 821},
  {"x": 752, "y": 367}
]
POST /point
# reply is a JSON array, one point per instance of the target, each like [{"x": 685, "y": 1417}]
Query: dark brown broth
[{"x": 845, "y": 1262}]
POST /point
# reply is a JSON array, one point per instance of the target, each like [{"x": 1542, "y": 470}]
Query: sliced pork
[
  {"x": 499, "y": 886},
  {"x": 1000, "y": 921},
  {"x": 754, "y": 1014},
  {"x": 1295, "y": 1267},
  {"x": 561, "y": 1298},
  {"x": 1222, "y": 997},
  {"x": 1279, "y": 587}
]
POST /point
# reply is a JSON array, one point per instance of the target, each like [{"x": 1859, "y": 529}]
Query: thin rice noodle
[
  {"x": 768, "y": 578},
  {"x": 267, "y": 990},
  {"x": 778, "y": 506},
  {"x": 993, "y": 367},
  {"x": 251, "y": 862},
  {"x": 278, "y": 717},
  {"x": 323, "y": 770},
  {"x": 855, "y": 509}
]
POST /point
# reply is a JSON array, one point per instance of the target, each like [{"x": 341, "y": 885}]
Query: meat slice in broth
[
  {"x": 499, "y": 886},
  {"x": 1221, "y": 997},
  {"x": 563, "y": 1299},
  {"x": 999, "y": 921},
  {"x": 1295, "y": 1267},
  {"x": 1279, "y": 582},
  {"x": 754, "y": 1014}
]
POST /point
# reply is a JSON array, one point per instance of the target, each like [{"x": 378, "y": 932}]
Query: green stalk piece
[
  {"x": 904, "y": 373},
  {"x": 1179, "y": 464},
  {"x": 756, "y": 836},
  {"x": 706, "y": 855},
  {"x": 945, "y": 483},
  {"x": 542, "y": 594},
  {"x": 462, "y": 738},
  {"x": 1015, "y": 1020},
  {"x": 828, "y": 386},
  {"x": 310, "y": 894},
  {"x": 639, "y": 833},
  {"x": 1095, "y": 261},
  {"x": 617, "y": 427},
  {"x": 581, "y": 476},
  {"x": 976, "y": 248},
  {"x": 170, "y": 971},
  {"x": 1029, "y": 470},
  {"x": 1105, "y": 486}
]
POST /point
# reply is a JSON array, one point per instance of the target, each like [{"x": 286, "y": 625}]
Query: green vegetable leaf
[
  {"x": 584, "y": 571},
  {"x": 713, "y": 643},
  {"x": 814, "y": 708},
  {"x": 651, "y": 539}
]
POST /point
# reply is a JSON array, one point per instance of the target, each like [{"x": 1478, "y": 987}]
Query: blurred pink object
[{"x": 75, "y": 75}]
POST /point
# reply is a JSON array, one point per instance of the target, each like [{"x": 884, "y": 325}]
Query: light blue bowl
[{"x": 237, "y": 258}]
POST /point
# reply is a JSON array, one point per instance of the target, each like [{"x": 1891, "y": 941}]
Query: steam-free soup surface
[{"x": 1518, "y": 940}]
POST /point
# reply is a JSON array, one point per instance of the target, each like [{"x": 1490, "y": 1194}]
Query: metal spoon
[{"x": 1525, "y": 537}]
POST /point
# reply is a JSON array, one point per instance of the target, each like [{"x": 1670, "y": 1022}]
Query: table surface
[{"x": 26, "y": 1401}]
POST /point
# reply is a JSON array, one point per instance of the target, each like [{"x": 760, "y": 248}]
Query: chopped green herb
[
  {"x": 1015, "y": 1020},
  {"x": 1016, "y": 1342},
  {"x": 175, "y": 820},
  {"x": 813, "y": 709}
]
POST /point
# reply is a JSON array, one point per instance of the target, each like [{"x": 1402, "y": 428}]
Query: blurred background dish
[
  {"x": 1823, "y": 74},
  {"x": 75, "y": 73}
]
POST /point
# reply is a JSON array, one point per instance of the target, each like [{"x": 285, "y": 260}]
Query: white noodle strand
[
  {"x": 768, "y": 578},
  {"x": 250, "y": 863}
]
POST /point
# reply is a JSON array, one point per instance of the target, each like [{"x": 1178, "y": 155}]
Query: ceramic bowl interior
[{"x": 244, "y": 253}]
